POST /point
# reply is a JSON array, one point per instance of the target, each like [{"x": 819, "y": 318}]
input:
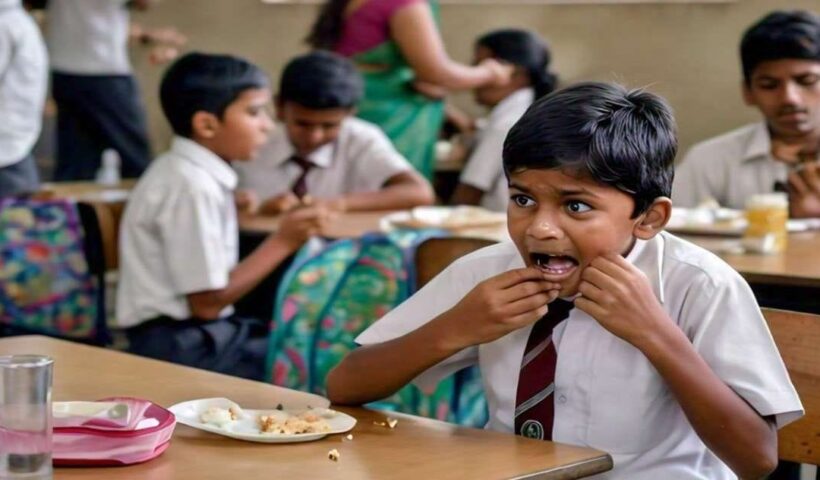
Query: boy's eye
[
  {"x": 808, "y": 80},
  {"x": 575, "y": 206},
  {"x": 522, "y": 200}
]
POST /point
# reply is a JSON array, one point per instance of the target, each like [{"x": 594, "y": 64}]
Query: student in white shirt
[
  {"x": 665, "y": 360},
  {"x": 482, "y": 182},
  {"x": 781, "y": 78},
  {"x": 179, "y": 275},
  {"x": 98, "y": 101},
  {"x": 23, "y": 83},
  {"x": 347, "y": 164}
]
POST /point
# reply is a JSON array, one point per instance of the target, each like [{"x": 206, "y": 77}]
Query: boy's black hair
[
  {"x": 780, "y": 35},
  {"x": 619, "y": 137},
  {"x": 525, "y": 49},
  {"x": 321, "y": 80},
  {"x": 205, "y": 82}
]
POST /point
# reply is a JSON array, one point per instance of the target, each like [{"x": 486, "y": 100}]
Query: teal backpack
[{"x": 333, "y": 292}]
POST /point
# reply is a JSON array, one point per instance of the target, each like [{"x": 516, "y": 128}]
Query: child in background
[
  {"x": 483, "y": 181},
  {"x": 179, "y": 275},
  {"x": 594, "y": 327},
  {"x": 23, "y": 85},
  {"x": 781, "y": 78},
  {"x": 324, "y": 152}
]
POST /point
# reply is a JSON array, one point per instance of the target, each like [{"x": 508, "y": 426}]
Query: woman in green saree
[{"x": 407, "y": 72}]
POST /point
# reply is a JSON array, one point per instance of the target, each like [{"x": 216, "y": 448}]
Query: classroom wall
[{"x": 684, "y": 51}]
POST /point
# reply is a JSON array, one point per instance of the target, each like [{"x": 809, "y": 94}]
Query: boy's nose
[
  {"x": 544, "y": 229},
  {"x": 790, "y": 93}
]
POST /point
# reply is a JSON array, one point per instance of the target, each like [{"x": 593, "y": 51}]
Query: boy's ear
[
  {"x": 654, "y": 219},
  {"x": 747, "y": 94},
  {"x": 204, "y": 124}
]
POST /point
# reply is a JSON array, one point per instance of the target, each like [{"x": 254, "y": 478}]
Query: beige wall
[{"x": 686, "y": 52}]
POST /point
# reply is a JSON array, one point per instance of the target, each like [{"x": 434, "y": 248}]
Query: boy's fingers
[
  {"x": 530, "y": 317},
  {"x": 612, "y": 264},
  {"x": 528, "y": 304},
  {"x": 590, "y": 291},
  {"x": 598, "y": 278},
  {"x": 589, "y": 307},
  {"x": 797, "y": 184},
  {"x": 810, "y": 177},
  {"x": 526, "y": 289},
  {"x": 519, "y": 275}
]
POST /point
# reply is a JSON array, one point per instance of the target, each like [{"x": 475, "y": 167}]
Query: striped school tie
[
  {"x": 299, "y": 187},
  {"x": 534, "y": 401}
]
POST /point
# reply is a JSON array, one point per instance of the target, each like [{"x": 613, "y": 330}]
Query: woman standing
[{"x": 398, "y": 49}]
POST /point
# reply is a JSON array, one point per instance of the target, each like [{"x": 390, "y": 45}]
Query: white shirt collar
[
  {"x": 760, "y": 144},
  {"x": 216, "y": 167},
  {"x": 514, "y": 103},
  {"x": 321, "y": 157}
]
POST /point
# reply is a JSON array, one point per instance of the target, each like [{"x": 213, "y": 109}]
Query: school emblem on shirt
[{"x": 532, "y": 429}]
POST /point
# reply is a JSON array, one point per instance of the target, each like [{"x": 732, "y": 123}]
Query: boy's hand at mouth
[
  {"x": 499, "y": 305},
  {"x": 618, "y": 295}
]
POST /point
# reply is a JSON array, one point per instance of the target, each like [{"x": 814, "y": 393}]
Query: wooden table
[
  {"x": 799, "y": 265},
  {"x": 416, "y": 449},
  {"x": 89, "y": 191}
]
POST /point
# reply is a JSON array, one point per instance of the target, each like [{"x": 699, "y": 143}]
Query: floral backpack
[
  {"x": 47, "y": 285},
  {"x": 331, "y": 294}
]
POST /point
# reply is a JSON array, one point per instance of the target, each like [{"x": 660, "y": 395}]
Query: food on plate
[
  {"x": 221, "y": 416},
  {"x": 287, "y": 424}
]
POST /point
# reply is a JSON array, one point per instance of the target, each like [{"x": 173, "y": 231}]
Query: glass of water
[{"x": 25, "y": 417}]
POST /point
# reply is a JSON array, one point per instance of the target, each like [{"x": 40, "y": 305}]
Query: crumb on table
[{"x": 333, "y": 455}]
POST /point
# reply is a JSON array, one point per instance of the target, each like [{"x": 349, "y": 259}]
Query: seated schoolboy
[
  {"x": 594, "y": 327},
  {"x": 482, "y": 181},
  {"x": 324, "y": 152},
  {"x": 179, "y": 274},
  {"x": 781, "y": 77}
]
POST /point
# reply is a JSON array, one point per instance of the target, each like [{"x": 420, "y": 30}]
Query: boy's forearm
[
  {"x": 373, "y": 372},
  {"x": 728, "y": 425},
  {"x": 393, "y": 197},
  {"x": 246, "y": 275}
]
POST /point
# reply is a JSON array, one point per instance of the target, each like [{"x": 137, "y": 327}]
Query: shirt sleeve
[
  {"x": 729, "y": 332},
  {"x": 484, "y": 165},
  {"x": 438, "y": 296},
  {"x": 194, "y": 250},
  {"x": 695, "y": 181},
  {"x": 377, "y": 161}
]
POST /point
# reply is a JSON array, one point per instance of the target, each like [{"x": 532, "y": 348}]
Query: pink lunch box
[{"x": 141, "y": 436}]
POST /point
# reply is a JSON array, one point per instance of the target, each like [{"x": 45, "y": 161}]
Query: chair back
[
  {"x": 797, "y": 336},
  {"x": 435, "y": 254}
]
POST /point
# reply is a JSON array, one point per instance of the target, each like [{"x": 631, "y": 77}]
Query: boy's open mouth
[{"x": 554, "y": 265}]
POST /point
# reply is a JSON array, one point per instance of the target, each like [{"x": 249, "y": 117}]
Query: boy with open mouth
[{"x": 594, "y": 327}]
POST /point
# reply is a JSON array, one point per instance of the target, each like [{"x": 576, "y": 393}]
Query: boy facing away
[
  {"x": 781, "y": 78},
  {"x": 179, "y": 275},
  {"x": 324, "y": 152},
  {"x": 594, "y": 327}
]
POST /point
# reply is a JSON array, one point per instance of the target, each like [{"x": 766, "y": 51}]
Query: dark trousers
[
  {"x": 96, "y": 112},
  {"x": 19, "y": 178},
  {"x": 232, "y": 345}
]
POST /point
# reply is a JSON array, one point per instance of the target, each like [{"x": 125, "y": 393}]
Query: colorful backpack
[
  {"x": 47, "y": 285},
  {"x": 332, "y": 293}
]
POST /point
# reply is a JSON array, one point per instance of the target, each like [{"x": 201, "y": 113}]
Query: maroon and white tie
[
  {"x": 534, "y": 401},
  {"x": 299, "y": 187}
]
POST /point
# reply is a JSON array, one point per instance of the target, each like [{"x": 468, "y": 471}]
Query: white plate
[
  {"x": 450, "y": 218},
  {"x": 247, "y": 428}
]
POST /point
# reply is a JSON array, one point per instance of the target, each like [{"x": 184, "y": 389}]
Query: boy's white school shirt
[
  {"x": 484, "y": 169},
  {"x": 23, "y": 82},
  {"x": 729, "y": 168},
  {"x": 178, "y": 235},
  {"x": 88, "y": 37},
  {"x": 607, "y": 394},
  {"x": 361, "y": 159}
]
